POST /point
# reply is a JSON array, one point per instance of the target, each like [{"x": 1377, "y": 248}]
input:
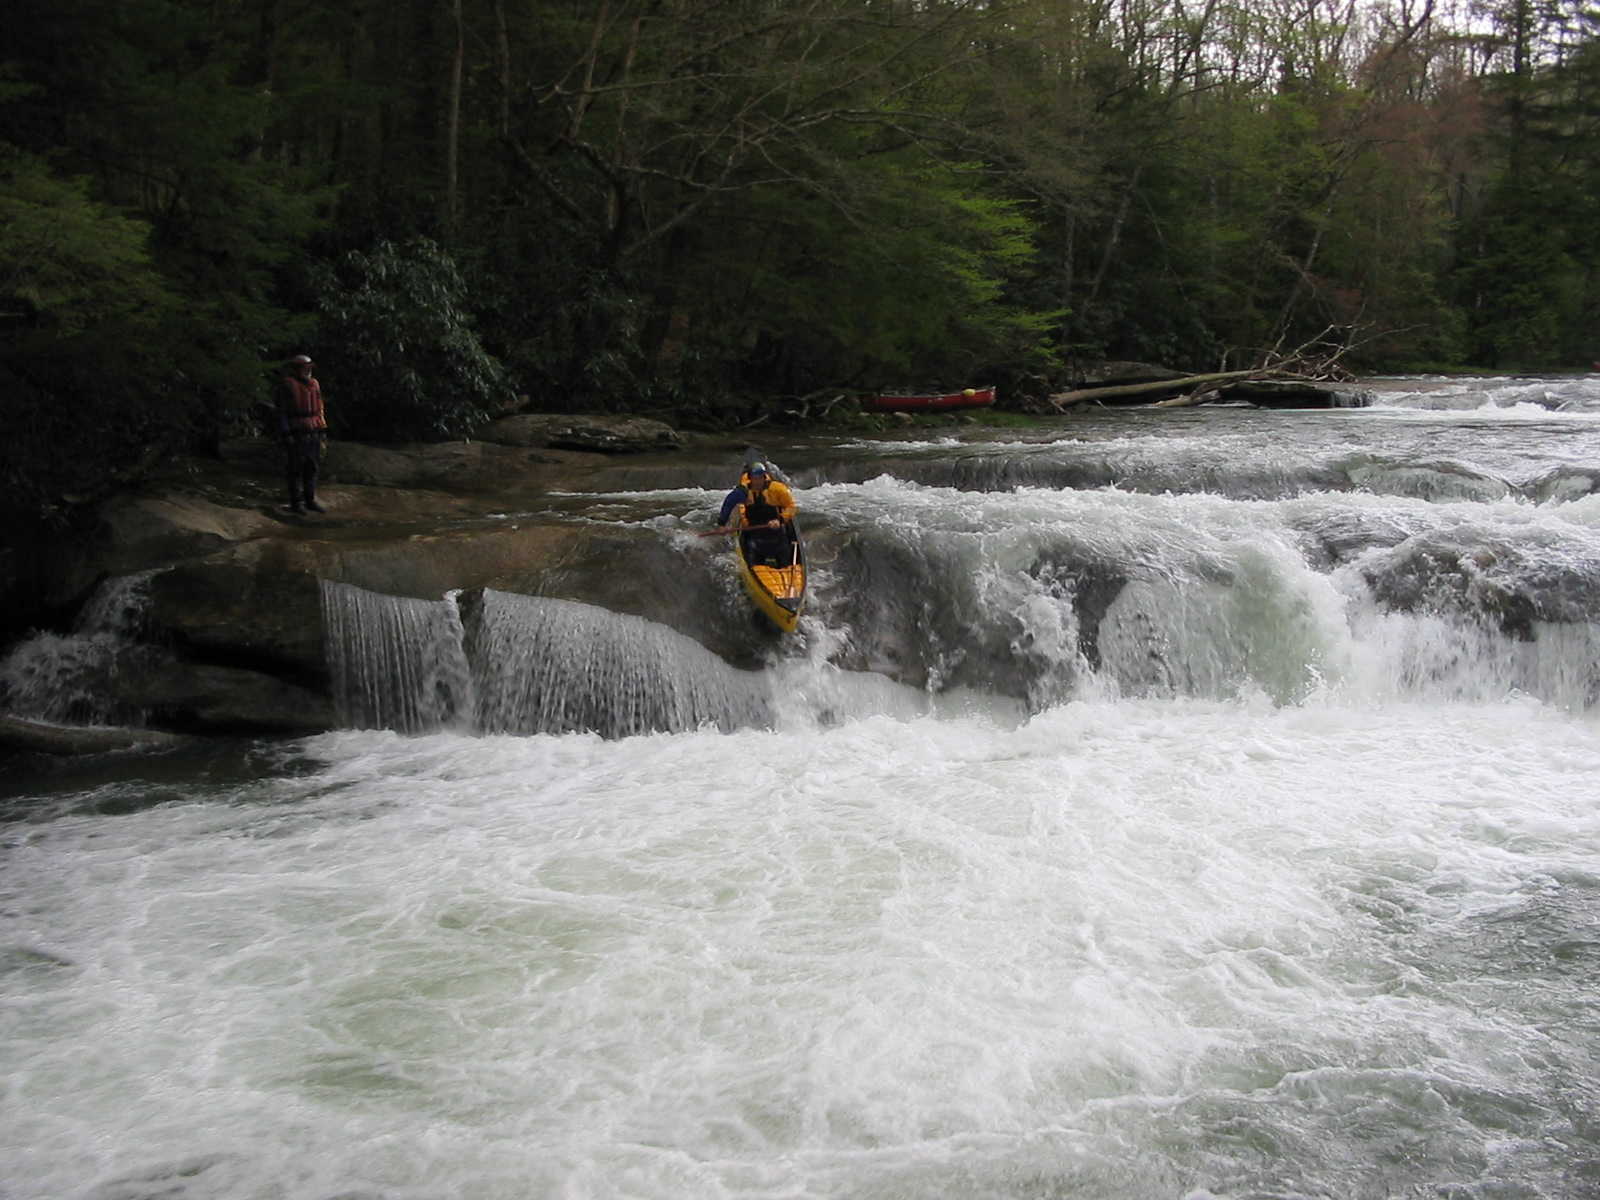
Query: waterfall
[
  {"x": 554, "y": 666},
  {"x": 396, "y": 662},
  {"x": 70, "y": 678},
  {"x": 523, "y": 664},
  {"x": 1050, "y": 596}
]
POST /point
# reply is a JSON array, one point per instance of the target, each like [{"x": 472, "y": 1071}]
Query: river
[{"x": 1185, "y": 805}]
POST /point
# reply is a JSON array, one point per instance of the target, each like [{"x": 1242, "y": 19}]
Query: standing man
[{"x": 303, "y": 428}]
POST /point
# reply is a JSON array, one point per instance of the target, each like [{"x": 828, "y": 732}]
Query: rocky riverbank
[{"x": 221, "y": 585}]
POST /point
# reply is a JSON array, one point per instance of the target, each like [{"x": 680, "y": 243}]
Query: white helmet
[{"x": 300, "y": 358}]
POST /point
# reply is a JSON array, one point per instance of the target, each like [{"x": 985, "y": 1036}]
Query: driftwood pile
[
  {"x": 1300, "y": 378},
  {"x": 1182, "y": 391}
]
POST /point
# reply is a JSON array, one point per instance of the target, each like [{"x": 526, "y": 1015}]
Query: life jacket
[
  {"x": 302, "y": 404},
  {"x": 758, "y": 510}
]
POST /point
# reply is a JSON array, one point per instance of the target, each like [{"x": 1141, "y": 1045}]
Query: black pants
[
  {"x": 302, "y": 457},
  {"x": 775, "y": 547}
]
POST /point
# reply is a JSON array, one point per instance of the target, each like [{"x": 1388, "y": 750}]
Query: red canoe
[{"x": 971, "y": 398}]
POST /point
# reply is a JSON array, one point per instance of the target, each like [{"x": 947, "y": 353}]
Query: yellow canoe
[{"x": 774, "y": 575}]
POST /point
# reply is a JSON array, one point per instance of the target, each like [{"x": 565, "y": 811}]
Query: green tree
[
  {"x": 402, "y": 358},
  {"x": 80, "y": 297},
  {"x": 145, "y": 120},
  {"x": 69, "y": 263},
  {"x": 673, "y": 150},
  {"x": 1525, "y": 269}
]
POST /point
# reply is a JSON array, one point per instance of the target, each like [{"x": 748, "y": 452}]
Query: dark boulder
[
  {"x": 1287, "y": 393},
  {"x": 595, "y": 432}
]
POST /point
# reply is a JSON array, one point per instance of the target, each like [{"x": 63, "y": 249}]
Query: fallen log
[
  {"x": 1189, "y": 399},
  {"x": 44, "y": 737},
  {"x": 1064, "y": 400}
]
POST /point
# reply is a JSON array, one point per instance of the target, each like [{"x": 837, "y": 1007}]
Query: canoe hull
[
  {"x": 776, "y": 587},
  {"x": 940, "y": 402}
]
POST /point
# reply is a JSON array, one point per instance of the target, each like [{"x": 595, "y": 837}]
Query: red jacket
[{"x": 300, "y": 405}]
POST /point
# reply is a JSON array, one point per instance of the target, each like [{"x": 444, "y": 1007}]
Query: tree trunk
[
  {"x": 1109, "y": 250},
  {"x": 452, "y": 134},
  {"x": 502, "y": 54},
  {"x": 1080, "y": 395}
]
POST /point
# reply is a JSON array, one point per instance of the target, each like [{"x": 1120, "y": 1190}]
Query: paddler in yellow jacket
[{"x": 758, "y": 504}]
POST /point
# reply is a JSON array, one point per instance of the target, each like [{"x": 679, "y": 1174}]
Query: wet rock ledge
[{"x": 225, "y": 633}]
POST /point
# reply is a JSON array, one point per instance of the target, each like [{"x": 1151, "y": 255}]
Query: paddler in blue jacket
[
  {"x": 757, "y": 493},
  {"x": 759, "y": 503}
]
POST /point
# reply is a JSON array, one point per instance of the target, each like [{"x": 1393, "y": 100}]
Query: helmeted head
[
  {"x": 757, "y": 472},
  {"x": 300, "y": 362}
]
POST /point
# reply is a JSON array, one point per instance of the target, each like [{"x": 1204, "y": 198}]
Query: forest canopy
[{"x": 715, "y": 207}]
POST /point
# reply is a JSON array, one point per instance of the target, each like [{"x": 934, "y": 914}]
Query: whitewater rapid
[{"x": 1161, "y": 948}]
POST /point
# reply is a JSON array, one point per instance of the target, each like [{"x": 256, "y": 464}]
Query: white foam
[{"x": 847, "y": 961}]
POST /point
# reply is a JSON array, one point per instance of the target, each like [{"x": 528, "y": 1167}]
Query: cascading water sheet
[
  {"x": 1047, "y": 595},
  {"x": 63, "y": 677},
  {"x": 524, "y": 664},
  {"x": 397, "y": 662},
  {"x": 554, "y": 666}
]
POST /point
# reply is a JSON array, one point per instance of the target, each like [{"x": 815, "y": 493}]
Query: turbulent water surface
[{"x": 1186, "y": 805}]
